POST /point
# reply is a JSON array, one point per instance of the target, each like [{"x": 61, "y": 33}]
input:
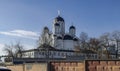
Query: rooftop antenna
[{"x": 58, "y": 12}]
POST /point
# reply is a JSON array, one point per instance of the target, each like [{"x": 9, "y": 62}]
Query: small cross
[{"x": 58, "y": 12}]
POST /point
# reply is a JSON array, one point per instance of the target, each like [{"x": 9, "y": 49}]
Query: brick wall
[
  {"x": 88, "y": 65},
  {"x": 102, "y": 65},
  {"x": 67, "y": 66}
]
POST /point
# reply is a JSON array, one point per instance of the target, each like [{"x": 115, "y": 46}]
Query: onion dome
[
  {"x": 46, "y": 47},
  {"x": 54, "y": 35},
  {"x": 75, "y": 39},
  {"x": 59, "y": 19},
  {"x": 56, "y": 24},
  {"x": 59, "y": 37},
  {"x": 72, "y": 27},
  {"x": 68, "y": 37},
  {"x": 46, "y": 28}
]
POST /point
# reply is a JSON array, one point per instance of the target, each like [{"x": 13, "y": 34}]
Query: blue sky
[{"x": 23, "y": 20}]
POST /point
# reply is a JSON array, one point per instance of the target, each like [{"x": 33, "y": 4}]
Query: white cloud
[
  {"x": 2, "y": 45},
  {"x": 21, "y": 33}
]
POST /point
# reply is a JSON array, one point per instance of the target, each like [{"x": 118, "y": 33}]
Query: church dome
[
  {"x": 59, "y": 37},
  {"x": 68, "y": 37},
  {"x": 46, "y": 28},
  {"x": 59, "y": 19},
  {"x": 56, "y": 24},
  {"x": 75, "y": 39},
  {"x": 72, "y": 27},
  {"x": 54, "y": 35}
]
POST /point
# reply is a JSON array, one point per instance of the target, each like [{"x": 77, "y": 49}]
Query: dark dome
[
  {"x": 68, "y": 37},
  {"x": 59, "y": 18},
  {"x": 46, "y": 46},
  {"x": 59, "y": 37},
  {"x": 46, "y": 28},
  {"x": 75, "y": 39},
  {"x": 54, "y": 35},
  {"x": 56, "y": 24},
  {"x": 72, "y": 27}
]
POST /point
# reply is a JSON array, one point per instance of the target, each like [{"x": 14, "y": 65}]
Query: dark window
[
  {"x": 42, "y": 53},
  {"x": 39, "y": 53},
  {"x": 54, "y": 53}
]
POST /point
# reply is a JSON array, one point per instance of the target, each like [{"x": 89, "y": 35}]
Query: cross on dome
[{"x": 58, "y": 12}]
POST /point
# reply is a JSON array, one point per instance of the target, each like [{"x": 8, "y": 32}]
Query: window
[
  {"x": 66, "y": 54},
  {"x": 62, "y": 54},
  {"x": 42, "y": 53},
  {"x": 49, "y": 53},
  {"x": 54, "y": 53},
  {"x": 58, "y": 54},
  {"x": 39, "y": 53}
]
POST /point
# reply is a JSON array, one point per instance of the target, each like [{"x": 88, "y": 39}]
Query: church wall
[
  {"x": 59, "y": 44},
  {"x": 68, "y": 44},
  {"x": 28, "y": 54},
  {"x": 76, "y": 44},
  {"x": 43, "y": 54},
  {"x": 60, "y": 54}
]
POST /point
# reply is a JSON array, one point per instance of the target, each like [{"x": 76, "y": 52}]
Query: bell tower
[{"x": 59, "y": 21}]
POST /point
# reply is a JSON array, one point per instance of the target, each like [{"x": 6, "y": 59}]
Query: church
[
  {"x": 58, "y": 38},
  {"x": 62, "y": 44}
]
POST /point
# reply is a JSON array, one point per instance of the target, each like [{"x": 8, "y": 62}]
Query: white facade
[
  {"x": 36, "y": 53},
  {"x": 60, "y": 39},
  {"x": 68, "y": 54}
]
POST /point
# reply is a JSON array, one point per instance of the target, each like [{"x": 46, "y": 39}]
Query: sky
[{"x": 23, "y": 20}]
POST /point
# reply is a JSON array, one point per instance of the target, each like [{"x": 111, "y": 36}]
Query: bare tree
[
  {"x": 116, "y": 39},
  {"x": 9, "y": 49},
  {"x": 13, "y": 49},
  {"x": 105, "y": 44},
  {"x": 83, "y": 40},
  {"x": 18, "y": 49},
  {"x": 94, "y": 44}
]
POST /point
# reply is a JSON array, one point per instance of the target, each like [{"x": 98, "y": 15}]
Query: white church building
[
  {"x": 59, "y": 39},
  {"x": 63, "y": 44}
]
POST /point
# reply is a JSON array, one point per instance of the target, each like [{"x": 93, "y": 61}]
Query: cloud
[
  {"x": 1, "y": 45},
  {"x": 21, "y": 33}
]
